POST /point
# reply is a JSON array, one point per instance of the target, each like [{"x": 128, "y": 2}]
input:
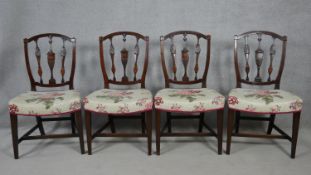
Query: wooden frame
[
  {"x": 160, "y": 132},
  {"x": 145, "y": 117},
  {"x": 74, "y": 118},
  {"x": 275, "y": 82}
]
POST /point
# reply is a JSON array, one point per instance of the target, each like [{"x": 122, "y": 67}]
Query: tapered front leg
[
  {"x": 295, "y": 129},
  {"x": 158, "y": 128},
  {"x": 229, "y": 129},
  {"x": 219, "y": 130},
  {"x": 149, "y": 131},
  {"x": 78, "y": 123},
  {"x": 88, "y": 124},
  {"x": 14, "y": 131}
]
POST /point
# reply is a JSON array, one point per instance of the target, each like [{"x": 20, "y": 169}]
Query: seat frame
[
  {"x": 234, "y": 116},
  {"x": 75, "y": 116},
  {"x": 166, "y": 130},
  {"x": 145, "y": 117}
]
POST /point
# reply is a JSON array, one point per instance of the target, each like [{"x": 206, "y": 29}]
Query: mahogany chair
[
  {"x": 190, "y": 103},
  {"x": 257, "y": 100},
  {"x": 49, "y": 104},
  {"x": 134, "y": 103}
]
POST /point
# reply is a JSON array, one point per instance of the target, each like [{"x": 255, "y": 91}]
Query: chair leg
[
  {"x": 229, "y": 129},
  {"x": 112, "y": 125},
  {"x": 14, "y": 130},
  {"x": 78, "y": 121},
  {"x": 271, "y": 123},
  {"x": 237, "y": 122},
  {"x": 143, "y": 123},
  {"x": 158, "y": 130},
  {"x": 149, "y": 131},
  {"x": 40, "y": 125},
  {"x": 73, "y": 130},
  {"x": 88, "y": 126},
  {"x": 169, "y": 122},
  {"x": 219, "y": 130},
  {"x": 295, "y": 128},
  {"x": 201, "y": 120}
]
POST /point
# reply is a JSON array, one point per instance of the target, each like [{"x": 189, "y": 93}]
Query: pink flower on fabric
[
  {"x": 188, "y": 92},
  {"x": 232, "y": 100},
  {"x": 158, "y": 101},
  {"x": 265, "y": 92},
  {"x": 13, "y": 109}
]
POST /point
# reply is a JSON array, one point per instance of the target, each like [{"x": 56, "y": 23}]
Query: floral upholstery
[
  {"x": 188, "y": 100},
  {"x": 45, "y": 103},
  {"x": 264, "y": 101},
  {"x": 111, "y": 101}
]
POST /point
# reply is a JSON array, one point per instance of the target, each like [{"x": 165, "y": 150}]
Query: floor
[{"x": 117, "y": 156}]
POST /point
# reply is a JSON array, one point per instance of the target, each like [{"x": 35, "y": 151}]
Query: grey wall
[{"x": 86, "y": 20}]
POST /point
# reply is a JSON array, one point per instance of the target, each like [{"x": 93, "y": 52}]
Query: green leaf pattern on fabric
[
  {"x": 47, "y": 99},
  {"x": 265, "y": 95},
  {"x": 190, "y": 94},
  {"x": 116, "y": 96}
]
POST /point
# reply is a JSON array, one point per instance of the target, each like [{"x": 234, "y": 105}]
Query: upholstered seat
[
  {"x": 264, "y": 101},
  {"x": 188, "y": 100},
  {"x": 112, "y": 101},
  {"x": 35, "y": 103}
]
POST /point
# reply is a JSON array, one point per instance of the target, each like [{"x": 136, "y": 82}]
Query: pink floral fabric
[
  {"x": 112, "y": 101},
  {"x": 264, "y": 101},
  {"x": 188, "y": 100},
  {"x": 45, "y": 103}
]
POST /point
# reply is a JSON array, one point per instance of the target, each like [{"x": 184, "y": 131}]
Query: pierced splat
[
  {"x": 259, "y": 54},
  {"x": 185, "y": 60},
  {"x": 111, "y": 52},
  {"x": 272, "y": 54},
  {"x": 38, "y": 56},
  {"x": 136, "y": 53},
  {"x": 173, "y": 54},
  {"x": 51, "y": 61},
  {"x": 197, "y": 54},
  {"x": 124, "y": 59},
  {"x": 246, "y": 53},
  {"x": 63, "y": 55}
]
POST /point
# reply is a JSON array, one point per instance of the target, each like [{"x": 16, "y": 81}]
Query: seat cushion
[
  {"x": 112, "y": 101},
  {"x": 264, "y": 101},
  {"x": 45, "y": 103},
  {"x": 188, "y": 100}
]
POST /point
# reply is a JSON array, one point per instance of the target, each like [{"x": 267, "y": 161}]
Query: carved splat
[
  {"x": 185, "y": 60},
  {"x": 124, "y": 59},
  {"x": 173, "y": 54},
  {"x": 259, "y": 54},
  {"x": 63, "y": 56},
  {"x": 111, "y": 52},
  {"x": 51, "y": 61},
  {"x": 246, "y": 53},
  {"x": 38, "y": 56},
  {"x": 197, "y": 54},
  {"x": 272, "y": 54},
  {"x": 136, "y": 54}
]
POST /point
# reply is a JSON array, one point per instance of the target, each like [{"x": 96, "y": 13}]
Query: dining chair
[
  {"x": 259, "y": 59},
  {"x": 187, "y": 102},
  {"x": 52, "y": 103},
  {"x": 123, "y": 101}
]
